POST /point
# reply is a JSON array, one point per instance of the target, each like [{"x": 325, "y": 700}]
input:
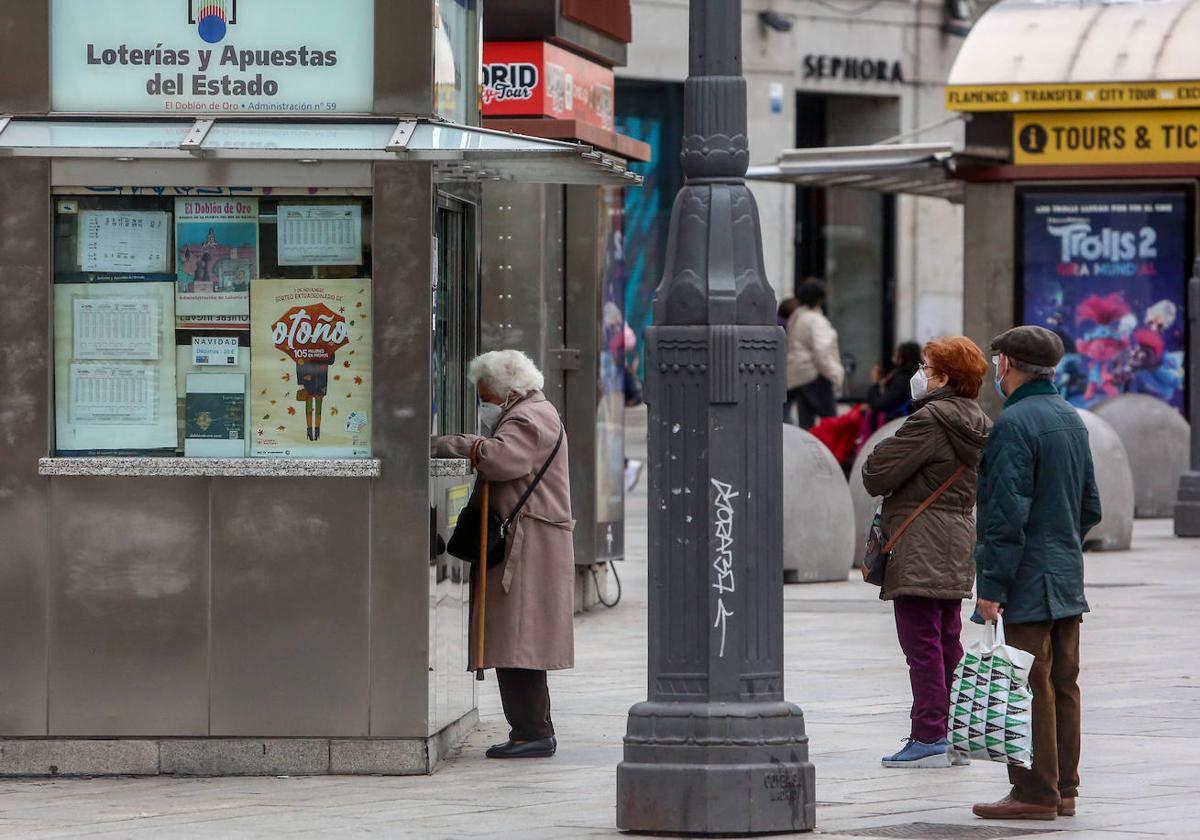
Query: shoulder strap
[
  {"x": 962, "y": 468},
  {"x": 536, "y": 480}
]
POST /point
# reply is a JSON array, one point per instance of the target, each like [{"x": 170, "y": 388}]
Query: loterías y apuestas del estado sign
[{"x": 212, "y": 56}]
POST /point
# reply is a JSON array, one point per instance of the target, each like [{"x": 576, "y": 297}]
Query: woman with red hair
[{"x": 935, "y": 454}]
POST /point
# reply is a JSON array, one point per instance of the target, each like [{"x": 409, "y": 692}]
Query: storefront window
[{"x": 212, "y": 324}]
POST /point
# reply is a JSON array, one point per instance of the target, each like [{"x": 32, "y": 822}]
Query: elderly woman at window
[{"x": 528, "y": 629}]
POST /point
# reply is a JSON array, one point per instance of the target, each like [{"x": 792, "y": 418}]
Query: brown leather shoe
[
  {"x": 1012, "y": 809},
  {"x": 1066, "y": 806}
]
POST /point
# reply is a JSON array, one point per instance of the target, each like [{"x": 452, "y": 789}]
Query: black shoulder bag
[{"x": 464, "y": 542}]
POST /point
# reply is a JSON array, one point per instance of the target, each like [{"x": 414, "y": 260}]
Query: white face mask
[
  {"x": 489, "y": 416},
  {"x": 919, "y": 385}
]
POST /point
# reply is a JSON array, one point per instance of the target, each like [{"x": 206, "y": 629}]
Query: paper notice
[
  {"x": 108, "y": 394},
  {"x": 116, "y": 328},
  {"x": 320, "y": 234},
  {"x": 216, "y": 249},
  {"x": 212, "y": 352},
  {"x": 124, "y": 240}
]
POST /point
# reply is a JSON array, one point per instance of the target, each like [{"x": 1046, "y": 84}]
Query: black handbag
[
  {"x": 464, "y": 542},
  {"x": 879, "y": 545}
]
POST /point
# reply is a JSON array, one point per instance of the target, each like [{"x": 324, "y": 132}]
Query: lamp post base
[
  {"x": 1187, "y": 506},
  {"x": 716, "y": 768}
]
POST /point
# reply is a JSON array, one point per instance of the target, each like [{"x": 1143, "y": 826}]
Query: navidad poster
[
  {"x": 216, "y": 258},
  {"x": 310, "y": 368},
  {"x": 1107, "y": 272}
]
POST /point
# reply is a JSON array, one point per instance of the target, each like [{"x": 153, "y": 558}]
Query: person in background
[
  {"x": 814, "y": 365},
  {"x": 786, "y": 307},
  {"x": 531, "y": 597},
  {"x": 889, "y": 394},
  {"x": 930, "y": 571},
  {"x": 633, "y": 398},
  {"x": 1037, "y": 501}
]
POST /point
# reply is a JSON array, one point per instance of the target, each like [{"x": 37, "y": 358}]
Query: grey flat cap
[{"x": 1031, "y": 345}]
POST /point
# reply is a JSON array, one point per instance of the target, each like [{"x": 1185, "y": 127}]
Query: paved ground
[{"x": 1141, "y": 758}]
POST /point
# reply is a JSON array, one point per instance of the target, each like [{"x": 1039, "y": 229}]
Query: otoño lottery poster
[
  {"x": 1108, "y": 273},
  {"x": 310, "y": 371}
]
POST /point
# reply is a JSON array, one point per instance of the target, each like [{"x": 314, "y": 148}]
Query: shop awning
[
  {"x": 458, "y": 152},
  {"x": 1037, "y": 42},
  {"x": 915, "y": 168}
]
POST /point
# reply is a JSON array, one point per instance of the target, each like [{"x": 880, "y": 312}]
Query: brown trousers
[
  {"x": 1054, "y": 682},
  {"x": 526, "y": 701}
]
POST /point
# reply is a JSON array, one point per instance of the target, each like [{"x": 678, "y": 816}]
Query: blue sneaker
[{"x": 919, "y": 754}]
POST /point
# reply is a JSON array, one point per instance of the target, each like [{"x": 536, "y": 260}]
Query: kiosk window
[
  {"x": 212, "y": 325},
  {"x": 453, "y": 402}
]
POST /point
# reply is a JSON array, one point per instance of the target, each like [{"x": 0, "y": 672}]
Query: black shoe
[{"x": 542, "y": 748}]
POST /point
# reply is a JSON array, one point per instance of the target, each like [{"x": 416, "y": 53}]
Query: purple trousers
[{"x": 928, "y": 629}]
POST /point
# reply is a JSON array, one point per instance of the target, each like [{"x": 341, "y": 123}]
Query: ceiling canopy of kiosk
[
  {"x": 1031, "y": 42},
  {"x": 458, "y": 152}
]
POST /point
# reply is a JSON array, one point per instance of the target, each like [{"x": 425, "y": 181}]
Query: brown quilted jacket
[{"x": 933, "y": 558}]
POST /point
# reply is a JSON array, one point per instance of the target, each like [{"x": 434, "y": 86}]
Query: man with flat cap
[{"x": 1037, "y": 500}]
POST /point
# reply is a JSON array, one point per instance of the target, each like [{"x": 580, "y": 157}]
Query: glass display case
[{"x": 214, "y": 324}]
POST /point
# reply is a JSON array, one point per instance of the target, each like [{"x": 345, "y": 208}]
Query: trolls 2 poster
[
  {"x": 310, "y": 368},
  {"x": 1107, "y": 271}
]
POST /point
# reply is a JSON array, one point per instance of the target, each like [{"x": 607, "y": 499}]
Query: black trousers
[
  {"x": 526, "y": 701},
  {"x": 812, "y": 401}
]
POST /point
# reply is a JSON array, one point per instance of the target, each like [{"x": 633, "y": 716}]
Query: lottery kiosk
[{"x": 239, "y": 262}]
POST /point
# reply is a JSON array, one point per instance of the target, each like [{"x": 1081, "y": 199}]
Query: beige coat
[
  {"x": 812, "y": 349},
  {"x": 531, "y": 599}
]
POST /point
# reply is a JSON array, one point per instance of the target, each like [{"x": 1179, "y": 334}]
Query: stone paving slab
[{"x": 1141, "y": 742}]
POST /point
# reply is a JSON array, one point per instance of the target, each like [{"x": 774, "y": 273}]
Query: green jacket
[{"x": 1037, "y": 500}]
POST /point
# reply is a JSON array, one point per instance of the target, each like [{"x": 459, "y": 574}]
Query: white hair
[{"x": 505, "y": 372}]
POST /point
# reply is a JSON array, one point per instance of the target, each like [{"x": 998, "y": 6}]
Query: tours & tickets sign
[
  {"x": 212, "y": 56},
  {"x": 1106, "y": 137}
]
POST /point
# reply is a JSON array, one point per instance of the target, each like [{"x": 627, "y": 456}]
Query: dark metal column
[
  {"x": 1187, "y": 504},
  {"x": 715, "y": 749}
]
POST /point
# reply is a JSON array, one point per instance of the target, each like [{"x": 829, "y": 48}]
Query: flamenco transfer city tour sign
[{"x": 212, "y": 56}]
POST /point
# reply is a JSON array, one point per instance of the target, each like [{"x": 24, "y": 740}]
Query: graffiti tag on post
[{"x": 724, "y": 583}]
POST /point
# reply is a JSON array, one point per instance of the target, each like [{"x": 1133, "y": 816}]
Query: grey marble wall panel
[
  {"x": 289, "y": 607},
  {"x": 24, "y": 58},
  {"x": 24, "y": 430},
  {"x": 400, "y": 512},
  {"x": 129, "y": 607}
]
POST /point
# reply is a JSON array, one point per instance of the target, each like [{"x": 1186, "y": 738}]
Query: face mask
[
  {"x": 998, "y": 378},
  {"x": 489, "y": 416},
  {"x": 919, "y": 385}
]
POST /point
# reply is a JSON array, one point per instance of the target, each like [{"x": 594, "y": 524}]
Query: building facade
[{"x": 818, "y": 74}]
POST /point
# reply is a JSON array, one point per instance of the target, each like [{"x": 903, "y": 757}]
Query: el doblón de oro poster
[{"x": 311, "y": 368}]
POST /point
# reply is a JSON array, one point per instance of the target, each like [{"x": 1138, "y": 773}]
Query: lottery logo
[{"x": 212, "y": 18}]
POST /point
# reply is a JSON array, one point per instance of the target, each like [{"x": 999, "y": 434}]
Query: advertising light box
[
  {"x": 1107, "y": 272},
  {"x": 212, "y": 56},
  {"x": 536, "y": 79}
]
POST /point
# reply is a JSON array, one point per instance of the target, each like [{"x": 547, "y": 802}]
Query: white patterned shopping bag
[{"x": 991, "y": 705}]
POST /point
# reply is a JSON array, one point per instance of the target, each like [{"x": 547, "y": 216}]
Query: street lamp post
[
  {"x": 1187, "y": 503},
  {"x": 715, "y": 749}
]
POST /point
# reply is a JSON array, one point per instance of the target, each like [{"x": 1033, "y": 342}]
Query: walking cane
[{"x": 483, "y": 558}]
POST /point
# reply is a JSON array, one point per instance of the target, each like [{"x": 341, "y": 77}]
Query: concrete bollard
[
  {"x": 1115, "y": 480},
  {"x": 818, "y": 515},
  {"x": 865, "y": 504},
  {"x": 1156, "y": 440}
]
